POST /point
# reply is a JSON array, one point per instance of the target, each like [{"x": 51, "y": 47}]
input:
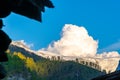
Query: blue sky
[{"x": 100, "y": 17}]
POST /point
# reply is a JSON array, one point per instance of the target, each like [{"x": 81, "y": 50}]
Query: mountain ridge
[{"x": 102, "y": 62}]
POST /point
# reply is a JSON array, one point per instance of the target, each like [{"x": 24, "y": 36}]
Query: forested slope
[{"x": 21, "y": 67}]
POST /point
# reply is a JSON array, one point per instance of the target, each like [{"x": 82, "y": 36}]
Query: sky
[{"x": 99, "y": 17}]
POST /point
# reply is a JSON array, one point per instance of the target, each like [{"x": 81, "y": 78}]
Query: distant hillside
[{"x": 22, "y": 67}]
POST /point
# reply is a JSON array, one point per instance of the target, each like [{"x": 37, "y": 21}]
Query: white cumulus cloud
[
  {"x": 22, "y": 43},
  {"x": 111, "y": 54},
  {"x": 75, "y": 41}
]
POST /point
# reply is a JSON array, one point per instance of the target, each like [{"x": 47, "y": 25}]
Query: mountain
[
  {"x": 26, "y": 64},
  {"x": 20, "y": 67},
  {"x": 107, "y": 64},
  {"x": 18, "y": 46}
]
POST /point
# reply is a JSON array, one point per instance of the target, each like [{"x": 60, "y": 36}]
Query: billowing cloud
[
  {"x": 112, "y": 54},
  {"x": 75, "y": 41},
  {"x": 22, "y": 43}
]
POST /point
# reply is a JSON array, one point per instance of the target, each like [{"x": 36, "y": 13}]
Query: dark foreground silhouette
[
  {"x": 29, "y": 8},
  {"x": 4, "y": 43}
]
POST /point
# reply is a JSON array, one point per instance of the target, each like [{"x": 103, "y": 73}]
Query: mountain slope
[
  {"x": 25, "y": 64},
  {"x": 107, "y": 64},
  {"x": 22, "y": 67},
  {"x": 20, "y": 47}
]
